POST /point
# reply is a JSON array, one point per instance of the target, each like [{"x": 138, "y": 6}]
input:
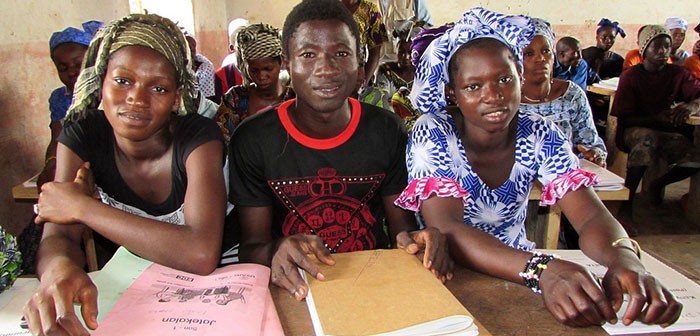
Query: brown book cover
[{"x": 384, "y": 292}]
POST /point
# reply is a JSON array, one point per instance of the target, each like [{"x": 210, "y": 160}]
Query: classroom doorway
[{"x": 180, "y": 11}]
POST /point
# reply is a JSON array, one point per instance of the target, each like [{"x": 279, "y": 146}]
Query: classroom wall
[{"x": 27, "y": 76}]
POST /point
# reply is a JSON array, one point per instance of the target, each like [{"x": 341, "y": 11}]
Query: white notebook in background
[{"x": 609, "y": 181}]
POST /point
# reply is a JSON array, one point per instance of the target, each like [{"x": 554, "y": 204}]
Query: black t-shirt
[
  {"x": 329, "y": 187},
  {"x": 92, "y": 139}
]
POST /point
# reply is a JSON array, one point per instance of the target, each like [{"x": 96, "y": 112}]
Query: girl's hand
[
  {"x": 60, "y": 202},
  {"x": 592, "y": 154},
  {"x": 649, "y": 301},
  {"x": 573, "y": 295}
]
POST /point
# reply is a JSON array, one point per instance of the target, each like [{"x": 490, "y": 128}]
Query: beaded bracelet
[{"x": 533, "y": 270}]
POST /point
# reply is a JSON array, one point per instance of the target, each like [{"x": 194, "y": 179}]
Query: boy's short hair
[
  {"x": 568, "y": 41},
  {"x": 311, "y": 10}
]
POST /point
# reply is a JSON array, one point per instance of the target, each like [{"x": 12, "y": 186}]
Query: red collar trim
[{"x": 321, "y": 144}]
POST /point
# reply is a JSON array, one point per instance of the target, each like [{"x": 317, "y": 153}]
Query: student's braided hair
[{"x": 148, "y": 30}]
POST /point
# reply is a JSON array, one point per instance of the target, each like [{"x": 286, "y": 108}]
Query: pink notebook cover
[{"x": 233, "y": 300}]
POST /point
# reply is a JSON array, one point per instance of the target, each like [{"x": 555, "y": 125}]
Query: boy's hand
[{"x": 292, "y": 253}]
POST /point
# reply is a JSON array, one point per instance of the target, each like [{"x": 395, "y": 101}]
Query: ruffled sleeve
[
  {"x": 423, "y": 188},
  {"x": 572, "y": 180}
]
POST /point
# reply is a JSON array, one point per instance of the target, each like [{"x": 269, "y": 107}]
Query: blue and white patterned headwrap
[
  {"x": 428, "y": 92},
  {"x": 543, "y": 28},
  {"x": 75, "y": 35}
]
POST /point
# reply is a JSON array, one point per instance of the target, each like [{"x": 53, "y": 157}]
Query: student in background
[
  {"x": 260, "y": 61},
  {"x": 67, "y": 49},
  {"x": 568, "y": 64},
  {"x": 560, "y": 101},
  {"x": 233, "y": 28},
  {"x": 677, "y": 26},
  {"x": 146, "y": 172},
  {"x": 203, "y": 70},
  {"x": 228, "y": 75},
  {"x": 372, "y": 32},
  {"x": 652, "y": 102},
  {"x": 600, "y": 58},
  {"x": 396, "y": 78},
  {"x": 692, "y": 63},
  {"x": 318, "y": 174},
  {"x": 471, "y": 169}
]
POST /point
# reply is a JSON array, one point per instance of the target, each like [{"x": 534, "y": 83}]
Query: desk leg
[
  {"x": 552, "y": 226},
  {"x": 693, "y": 209}
]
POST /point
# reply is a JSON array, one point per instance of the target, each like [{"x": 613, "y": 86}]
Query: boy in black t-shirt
[{"x": 319, "y": 174}]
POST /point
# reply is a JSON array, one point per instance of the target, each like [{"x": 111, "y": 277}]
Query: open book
[
  {"x": 233, "y": 300},
  {"x": 610, "y": 83},
  {"x": 383, "y": 292},
  {"x": 686, "y": 291}
]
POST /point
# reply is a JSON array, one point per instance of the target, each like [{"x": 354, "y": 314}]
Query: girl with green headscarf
[{"x": 135, "y": 164}]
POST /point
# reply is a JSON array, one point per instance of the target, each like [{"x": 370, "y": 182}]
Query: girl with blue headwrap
[
  {"x": 472, "y": 167},
  {"x": 600, "y": 58}
]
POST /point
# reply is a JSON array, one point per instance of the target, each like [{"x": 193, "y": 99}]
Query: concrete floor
[{"x": 667, "y": 232}]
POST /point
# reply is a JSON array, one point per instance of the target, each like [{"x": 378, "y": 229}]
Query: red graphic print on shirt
[{"x": 327, "y": 205}]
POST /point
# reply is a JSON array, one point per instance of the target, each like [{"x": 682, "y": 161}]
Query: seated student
[
  {"x": 203, "y": 70},
  {"x": 471, "y": 169},
  {"x": 606, "y": 63},
  {"x": 259, "y": 50},
  {"x": 393, "y": 76},
  {"x": 650, "y": 124},
  {"x": 373, "y": 33},
  {"x": 318, "y": 174},
  {"x": 233, "y": 28},
  {"x": 568, "y": 64},
  {"x": 692, "y": 63},
  {"x": 228, "y": 75},
  {"x": 146, "y": 172},
  {"x": 67, "y": 49},
  {"x": 600, "y": 58},
  {"x": 677, "y": 26},
  {"x": 562, "y": 102}
]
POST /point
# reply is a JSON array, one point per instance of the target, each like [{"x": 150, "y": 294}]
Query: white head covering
[
  {"x": 233, "y": 27},
  {"x": 676, "y": 22},
  {"x": 428, "y": 92}
]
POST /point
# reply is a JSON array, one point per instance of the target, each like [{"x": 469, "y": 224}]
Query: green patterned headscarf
[
  {"x": 148, "y": 30},
  {"x": 256, "y": 41}
]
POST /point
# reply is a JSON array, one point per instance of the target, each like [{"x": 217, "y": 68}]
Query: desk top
[
  {"x": 693, "y": 120},
  {"x": 601, "y": 90}
]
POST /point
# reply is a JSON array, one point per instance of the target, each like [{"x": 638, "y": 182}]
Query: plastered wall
[{"x": 27, "y": 75}]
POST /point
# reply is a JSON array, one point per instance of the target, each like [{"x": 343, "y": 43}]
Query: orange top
[
  {"x": 633, "y": 58},
  {"x": 692, "y": 63}
]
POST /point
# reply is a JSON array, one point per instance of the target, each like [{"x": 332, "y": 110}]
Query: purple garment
[{"x": 421, "y": 41}]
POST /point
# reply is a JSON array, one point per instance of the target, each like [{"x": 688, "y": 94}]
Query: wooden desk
[
  {"x": 500, "y": 308},
  {"x": 24, "y": 194},
  {"x": 545, "y": 233},
  {"x": 693, "y": 208},
  {"x": 617, "y": 160}
]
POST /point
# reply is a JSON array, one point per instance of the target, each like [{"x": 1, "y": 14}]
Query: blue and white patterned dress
[
  {"x": 437, "y": 164},
  {"x": 572, "y": 114}
]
